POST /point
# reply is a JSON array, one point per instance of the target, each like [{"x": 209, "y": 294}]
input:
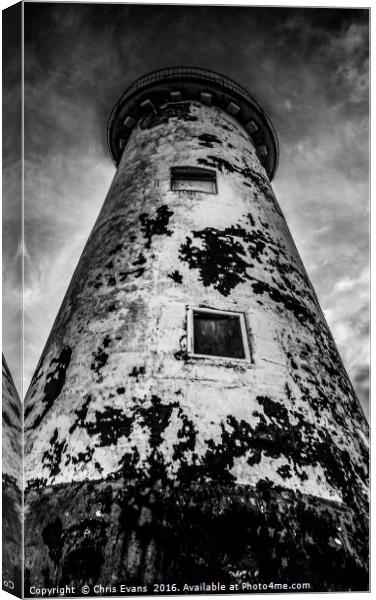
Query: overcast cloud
[{"x": 308, "y": 68}]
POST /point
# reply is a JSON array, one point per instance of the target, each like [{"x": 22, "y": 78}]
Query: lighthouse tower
[
  {"x": 11, "y": 484},
  {"x": 190, "y": 420}
]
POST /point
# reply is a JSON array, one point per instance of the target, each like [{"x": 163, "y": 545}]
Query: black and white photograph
[{"x": 195, "y": 302}]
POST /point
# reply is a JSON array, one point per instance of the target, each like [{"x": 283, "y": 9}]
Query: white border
[{"x": 276, "y": 4}]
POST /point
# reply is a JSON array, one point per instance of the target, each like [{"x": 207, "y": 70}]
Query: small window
[
  {"x": 217, "y": 333},
  {"x": 193, "y": 179}
]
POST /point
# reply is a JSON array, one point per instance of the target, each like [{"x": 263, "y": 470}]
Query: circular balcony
[{"x": 190, "y": 83}]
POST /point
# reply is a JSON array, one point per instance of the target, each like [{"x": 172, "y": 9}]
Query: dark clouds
[
  {"x": 12, "y": 189},
  {"x": 308, "y": 68}
]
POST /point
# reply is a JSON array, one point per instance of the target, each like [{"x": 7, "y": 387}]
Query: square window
[
  {"x": 193, "y": 179},
  {"x": 217, "y": 333}
]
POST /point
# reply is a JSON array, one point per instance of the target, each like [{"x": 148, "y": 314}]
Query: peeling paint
[
  {"x": 156, "y": 226},
  {"x": 55, "y": 381}
]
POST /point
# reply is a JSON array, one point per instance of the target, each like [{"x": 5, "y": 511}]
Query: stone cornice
[{"x": 176, "y": 84}]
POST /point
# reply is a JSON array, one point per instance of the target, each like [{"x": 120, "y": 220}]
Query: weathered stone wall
[
  {"x": 11, "y": 484},
  {"x": 115, "y": 396},
  {"x": 128, "y": 532}
]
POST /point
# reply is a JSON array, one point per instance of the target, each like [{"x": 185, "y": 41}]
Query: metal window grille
[{"x": 193, "y": 179}]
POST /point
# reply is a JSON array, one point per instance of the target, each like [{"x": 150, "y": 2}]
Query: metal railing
[{"x": 187, "y": 73}]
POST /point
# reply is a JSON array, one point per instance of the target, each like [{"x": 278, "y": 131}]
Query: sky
[{"x": 307, "y": 68}]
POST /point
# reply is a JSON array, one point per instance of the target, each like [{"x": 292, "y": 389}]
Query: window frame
[
  {"x": 190, "y": 334},
  {"x": 211, "y": 177}
]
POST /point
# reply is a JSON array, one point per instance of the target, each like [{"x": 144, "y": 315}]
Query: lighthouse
[
  {"x": 11, "y": 484},
  {"x": 190, "y": 421}
]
